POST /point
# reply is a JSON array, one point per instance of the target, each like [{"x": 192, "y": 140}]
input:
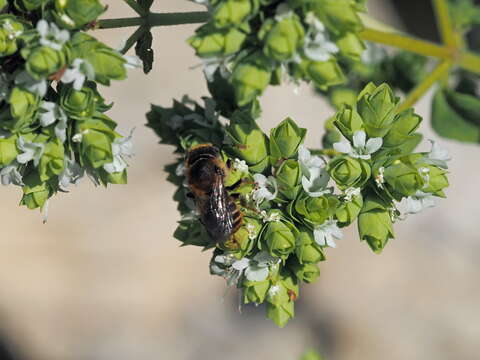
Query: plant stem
[
  {"x": 425, "y": 85},
  {"x": 444, "y": 22},
  {"x": 157, "y": 19},
  {"x": 137, "y": 8}
]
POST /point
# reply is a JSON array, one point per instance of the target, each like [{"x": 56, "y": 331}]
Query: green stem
[
  {"x": 157, "y": 19},
  {"x": 137, "y": 8},
  {"x": 444, "y": 22},
  {"x": 425, "y": 85}
]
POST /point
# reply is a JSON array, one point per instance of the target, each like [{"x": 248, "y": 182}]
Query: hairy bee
[{"x": 205, "y": 175}]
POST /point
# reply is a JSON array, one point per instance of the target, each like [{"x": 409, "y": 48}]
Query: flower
[
  {"x": 319, "y": 48},
  {"x": 380, "y": 177},
  {"x": 307, "y": 161},
  {"x": 51, "y": 35},
  {"x": 30, "y": 151},
  {"x": 10, "y": 175},
  {"x": 71, "y": 174},
  {"x": 316, "y": 184},
  {"x": 78, "y": 73},
  {"x": 240, "y": 165},
  {"x": 256, "y": 269},
  {"x": 361, "y": 149},
  {"x": 350, "y": 193},
  {"x": 121, "y": 148},
  {"x": 416, "y": 203},
  {"x": 132, "y": 61},
  {"x": 25, "y": 80},
  {"x": 266, "y": 188},
  {"x": 53, "y": 112},
  {"x": 438, "y": 155},
  {"x": 326, "y": 233}
]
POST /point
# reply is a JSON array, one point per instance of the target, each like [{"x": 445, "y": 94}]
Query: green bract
[
  {"x": 348, "y": 121},
  {"x": 8, "y": 150},
  {"x": 209, "y": 42},
  {"x": 348, "y": 212},
  {"x": 29, "y": 5},
  {"x": 233, "y": 12},
  {"x": 77, "y": 104},
  {"x": 10, "y": 29},
  {"x": 280, "y": 238},
  {"x": 282, "y": 38},
  {"x": 323, "y": 73},
  {"x": 305, "y": 272},
  {"x": 255, "y": 291},
  {"x": 404, "y": 177},
  {"x": 35, "y": 192},
  {"x": 285, "y": 140},
  {"x": 52, "y": 161},
  {"x": 349, "y": 172},
  {"x": 45, "y": 61},
  {"x": 403, "y": 129},
  {"x": 307, "y": 250},
  {"x": 289, "y": 177},
  {"x": 74, "y": 14},
  {"x": 315, "y": 211},
  {"x": 21, "y": 112}
]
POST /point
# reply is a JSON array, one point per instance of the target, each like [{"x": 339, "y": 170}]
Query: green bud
[
  {"x": 280, "y": 238},
  {"x": 374, "y": 223},
  {"x": 338, "y": 16},
  {"x": 377, "y": 107},
  {"x": 307, "y": 250},
  {"x": 77, "y": 104},
  {"x": 285, "y": 140},
  {"x": 74, "y": 14},
  {"x": 8, "y": 150},
  {"x": 289, "y": 176},
  {"x": 233, "y": 12},
  {"x": 314, "y": 211},
  {"x": 97, "y": 135},
  {"x": 249, "y": 143},
  {"x": 255, "y": 291},
  {"x": 10, "y": 29},
  {"x": 348, "y": 211},
  {"x": 52, "y": 161},
  {"x": 244, "y": 239},
  {"x": 250, "y": 78},
  {"x": 281, "y": 314},
  {"x": 351, "y": 46},
  {"x": 323, "y": 73},
  {"x": 348, "y": 121},
  {"x": 211, "y": 42},
  {"x": 20, "y": 114},
  {"x": 437, "y": 181},
  {"x": 35, "y": 192},
  {"x": 403, "y": 177},
  {"x": 349, "y": 172},
  {"x": 281, "y": 297},
  {"x": 29, "y": 5},
  {"x": 44, "y": 61},
  {"x": 305, "y": 272},
  {"x": 403, "y": 129},
  {"x": 282, "y": 38}
]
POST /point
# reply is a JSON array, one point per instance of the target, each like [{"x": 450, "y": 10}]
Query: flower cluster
[
  {"x": 53, "y": 127},
  {"x": 254, "y": 43},
  {"x": 294, "y": 201}
]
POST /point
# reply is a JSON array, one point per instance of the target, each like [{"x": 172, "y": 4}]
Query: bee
[{"x": 206, "y": 174}]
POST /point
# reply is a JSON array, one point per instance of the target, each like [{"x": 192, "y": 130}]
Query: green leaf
[
  {"x": 447, "y": 122},
  {"x": 144, "y": 50}
]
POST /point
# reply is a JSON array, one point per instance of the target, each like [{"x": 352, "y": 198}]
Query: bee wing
[{"x": 218, "y": 217}]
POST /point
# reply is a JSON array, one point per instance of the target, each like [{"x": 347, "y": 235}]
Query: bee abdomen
[{"x": 237, "y": 217}]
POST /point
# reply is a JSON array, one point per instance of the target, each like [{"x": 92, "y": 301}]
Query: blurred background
[{"x": 104, "y": 278}]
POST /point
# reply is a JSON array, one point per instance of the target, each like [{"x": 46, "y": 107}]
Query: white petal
[
  {"x": 241, "y": 264},
  {"x": 373, "y": 145},
  {"x": 263, "y": 259},
  {"x": 319, "y": 236},
  {"x": 330, "y": 242},
  {"x": 343, "y": 146},
  {"x": 260, "y": 179},
  {"x": 359, "y": 139},
  {"x": 255, "y": 273},
  {"x": 42, "y": 28},
  {"x": 25, "y": 157}
]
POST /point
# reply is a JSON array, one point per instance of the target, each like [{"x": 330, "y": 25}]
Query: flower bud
[
  {"x": 74, "y": 14},
  {"x": 97, "y": 135},
  {"x": 211, "y": 42},
  {"x": 20, "y": 114},
  {"x": 338, "y": 16},
  {"x": 374, "y": 223},
  {"x": 250, "y": 78},
  {"x": 350, "y": 45},
  {"x": 377, "y": 107},
  {"x": 44, "y": 61},
  {"x": 307, "y": 250},
  {"x": 285, "y": 140},
  {"x": 348, "y": 121},
  {"x": 403, "y": 177},
  {"x": 77, "y": 104},
  {"x": 314, "y": 211},
  {"x": 52, "y": 160},
  {"x": 8, "y": 150},
  {"x": 348, "y": 211},
  {"x": 282, "y": 38},
  {"x": 323, "y": 73},
  {"x": 233, "y": 12},
  {"x": 35, "y": 192},
  {"x": 10, "y": 28},
  {"x": 403, "y": 129},
  {"x": 305, "y": 272},
  {"x": 280, "y": 238},
  {"x": 243, "y": 240},
  {"x": 289, "y": 177},
  {"x": 255, "y": 291},
  {"x": 349, "y": 172},
  {"x": 249, "y": 142}
]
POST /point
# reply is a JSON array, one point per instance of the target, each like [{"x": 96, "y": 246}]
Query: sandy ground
[{"x": 104, "y": 279}]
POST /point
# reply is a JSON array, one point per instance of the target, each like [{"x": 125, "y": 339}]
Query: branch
[
  {"x": 157, "y": 19},
  {"x": 136, "y": 7},
  {"x": 444, "y": 23}
]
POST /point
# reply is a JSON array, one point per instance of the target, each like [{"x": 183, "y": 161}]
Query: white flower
[
  {"x": 240, "y": 165},
  {"x": 425, "y": 174},
  {"x": 132, "y": 61},
  {"x": 51, "y": 113},
  {"x": 273, "y": 290},
  {"x": 380, "y": 178},
  {"x": 326, "y": 233},
  {"x": 38, "y": 87},
  {"x": 256, "y": 269},
  {"x": 416, "y": 203},
  {"x": 51, "y": 35},
  {"x": 122, "y": 148},
  {"x": 307, "y": 161},
  {"x": 317, "y": 46},
  {"x": 11, "y": 175},
  {"x": 252, "y": 234},
  {"x": 78, "y": 137},
  {"x": 350, "y": 193},
  {"x": 274, "y": 216},
  {"x": 361, "y": 149},
  {"x": 180, "y": 169},
  {"x": 438, "y": 156},
  {"x": 30, "y": 151},
  {"x": 79, "y": 71},
  {"x": 71, "y": 174},
  {"x": 266, "y": 188},
  {"x": 316, "y": 184}
]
